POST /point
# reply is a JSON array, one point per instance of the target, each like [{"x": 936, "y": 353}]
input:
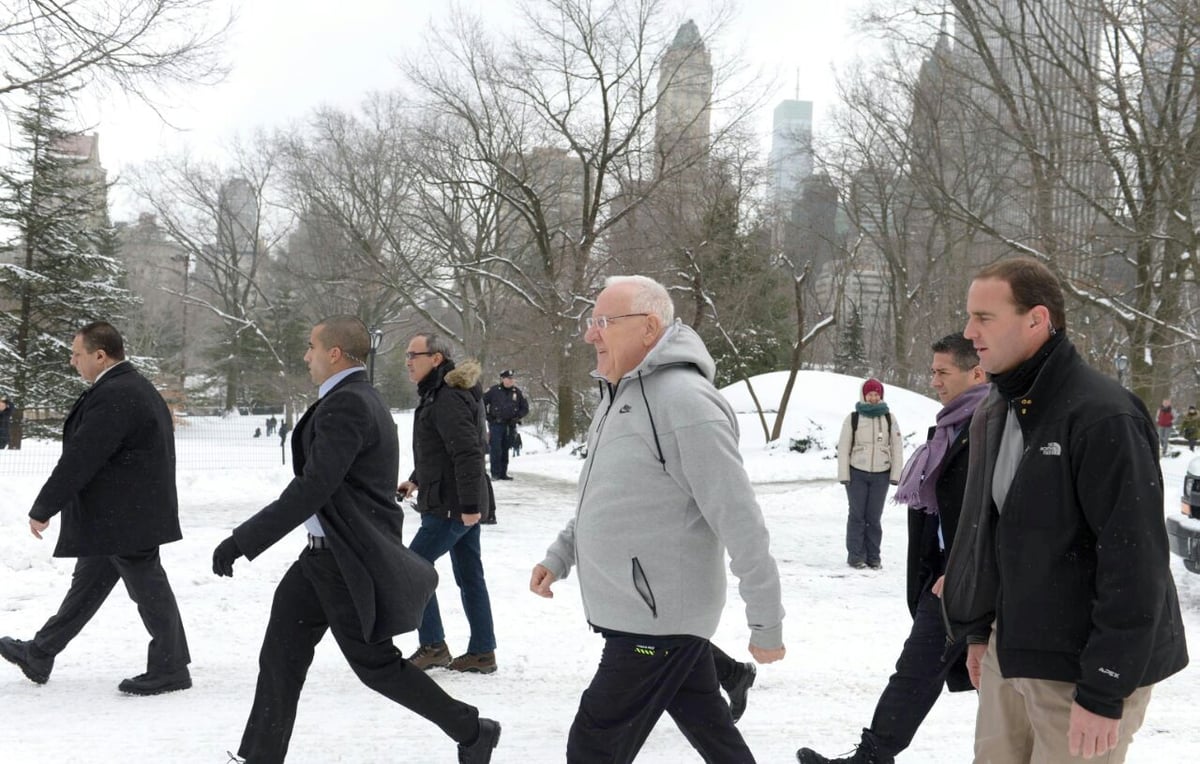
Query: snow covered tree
[
  {"x": 58, "y": 264},
  {"x": 851, "y": 357}
]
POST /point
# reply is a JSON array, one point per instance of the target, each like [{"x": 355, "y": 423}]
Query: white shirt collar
[
  {"x": 115, "y": 365},
  {"x": 332, "y": 382}
]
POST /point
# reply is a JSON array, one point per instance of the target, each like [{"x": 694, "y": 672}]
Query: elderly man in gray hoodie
[{"x": 662, "y": 496}]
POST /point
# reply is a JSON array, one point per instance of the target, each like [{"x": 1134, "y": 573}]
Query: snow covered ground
[{"x": 843, "y": 631}]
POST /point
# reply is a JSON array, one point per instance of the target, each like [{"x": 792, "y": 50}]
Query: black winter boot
[{"x": 867, "y": 752}]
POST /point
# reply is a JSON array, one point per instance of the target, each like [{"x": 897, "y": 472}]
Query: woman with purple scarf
[{"x": 931, "y": 484}]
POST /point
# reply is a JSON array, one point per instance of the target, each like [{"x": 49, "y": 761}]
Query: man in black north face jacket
[{"x": 1060, "y": 576}]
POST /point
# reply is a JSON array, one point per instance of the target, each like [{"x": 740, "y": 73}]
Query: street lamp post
[
  {"x": 1122, "y": 362},
  {"x": 376, "y": 341}
]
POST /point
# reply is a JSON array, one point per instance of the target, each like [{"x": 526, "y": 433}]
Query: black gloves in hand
[{"x": 224, "y": 555}]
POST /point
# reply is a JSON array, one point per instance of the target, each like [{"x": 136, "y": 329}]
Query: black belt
[{"x": 317, "y": 542}]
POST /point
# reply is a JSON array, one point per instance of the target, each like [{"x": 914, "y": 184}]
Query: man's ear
[
  {"x": 1039, "y": 315},
  {"x": 654, "y": 328}
]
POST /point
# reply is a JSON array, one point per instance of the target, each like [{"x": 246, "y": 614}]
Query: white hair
[{"x": 649, "y": 296}]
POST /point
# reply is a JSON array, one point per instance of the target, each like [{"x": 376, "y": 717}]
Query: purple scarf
[{"x": 918, "y": 479}]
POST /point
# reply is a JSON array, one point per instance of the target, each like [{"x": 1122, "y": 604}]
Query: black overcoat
[
  {"x": 345, "y": 457},
  {"x": 925, "y": 561},
  {"x": 114, "y": 484}
]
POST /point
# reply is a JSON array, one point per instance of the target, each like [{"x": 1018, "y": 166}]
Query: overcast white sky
[{"x": 290, "y": 56}]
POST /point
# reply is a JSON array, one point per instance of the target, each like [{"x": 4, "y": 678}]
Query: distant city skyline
[{"x": 281, "y": 73}]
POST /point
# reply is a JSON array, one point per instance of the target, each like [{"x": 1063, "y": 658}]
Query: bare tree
[
  {"x": 1097, "y": 102},
  {"x": 223, "y": 219},
  {"x": 409, "y": 228},
  {"x": 135, "y": 46},
  {"x": 560, "y": 119}
]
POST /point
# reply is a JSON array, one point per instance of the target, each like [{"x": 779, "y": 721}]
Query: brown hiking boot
[
  {"x": 428, "y": 656},
  {"x": 475, "y": 663}
]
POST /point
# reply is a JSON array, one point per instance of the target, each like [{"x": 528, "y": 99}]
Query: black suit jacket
[
  {"x": 345, "y": 457},
  {"x": 115, "y": 481}
]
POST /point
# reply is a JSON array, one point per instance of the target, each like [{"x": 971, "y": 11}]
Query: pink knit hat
[{"x": 872, "y": 385}]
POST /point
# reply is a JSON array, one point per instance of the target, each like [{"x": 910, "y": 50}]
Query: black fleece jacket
[{"x": 1074, "y": 568}]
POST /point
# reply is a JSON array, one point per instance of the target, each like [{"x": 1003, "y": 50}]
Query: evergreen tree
[
  {"x": 851, "y": 357},
  {"x": 58, "y": 261}
]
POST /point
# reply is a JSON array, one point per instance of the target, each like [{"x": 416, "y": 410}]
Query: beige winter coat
[{"x": 873, "y": 450}]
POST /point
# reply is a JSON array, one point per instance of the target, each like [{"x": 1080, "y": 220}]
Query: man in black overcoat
[
  {"x": 355, "y": 577},
  {"x": 114, "y": 486},
  {"x": 932, "y": 485}
]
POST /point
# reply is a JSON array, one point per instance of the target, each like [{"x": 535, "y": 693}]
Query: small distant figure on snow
[
  {"x": 6, "y": 412},
  {"x": 271, "y": 423},
  {"x": 505, "y": 406},
  {"x": 258, "y": 432},
  {"x": 869, "y": 458},
  {"x": 1189, "y": 427},
  {"x": 284, "y": 429},
  {"x": 1165, "y": 419}
]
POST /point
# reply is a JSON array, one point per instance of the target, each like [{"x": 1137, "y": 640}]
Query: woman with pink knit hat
[{"x": 869, "y": 459}]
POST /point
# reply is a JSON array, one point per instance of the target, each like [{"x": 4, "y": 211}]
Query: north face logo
[
  {"x": 625, "y": 409},
  {"x": 1052, "y": 449}
]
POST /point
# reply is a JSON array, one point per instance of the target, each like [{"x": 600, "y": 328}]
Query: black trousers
[
  {"x": 147, "y": 585},
  {"x": 724, "y": 664},
  {"x": 499, "y": 443},
  {"x": 917, "y": 683},
  {"x": 312, "y": 598},
  {"x": 640, "y": 677}
]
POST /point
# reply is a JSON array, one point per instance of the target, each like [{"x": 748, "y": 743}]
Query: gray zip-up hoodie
[{"x": 662, "y": 494}]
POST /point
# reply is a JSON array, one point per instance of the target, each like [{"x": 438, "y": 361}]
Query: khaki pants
[{"x": 1025, "y": 721}]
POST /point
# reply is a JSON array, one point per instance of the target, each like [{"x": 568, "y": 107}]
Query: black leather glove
[{"x": 224, "y": 555}]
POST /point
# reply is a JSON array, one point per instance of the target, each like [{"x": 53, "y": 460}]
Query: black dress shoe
[
  {"x": 17, "y": 651},
  {"x": 737, "y": 686},
  {"x": 156, "y": 684},
  {"x": 480, "y": 752}
]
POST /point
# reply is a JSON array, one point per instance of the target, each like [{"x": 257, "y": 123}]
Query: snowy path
[{"x": 844, "y": 629}]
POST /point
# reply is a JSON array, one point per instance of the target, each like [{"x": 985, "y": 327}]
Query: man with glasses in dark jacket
[
  {"x": 931, "y": 485},
  {"x": 454, "y": 496}
]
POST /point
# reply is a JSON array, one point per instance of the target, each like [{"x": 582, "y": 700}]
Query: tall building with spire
[{"x": 683, "y": 117}]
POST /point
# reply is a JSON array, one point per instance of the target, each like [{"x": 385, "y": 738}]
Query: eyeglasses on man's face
[
  {"x": 411, "y": 354},
  {"x": 602, "y": 322}
]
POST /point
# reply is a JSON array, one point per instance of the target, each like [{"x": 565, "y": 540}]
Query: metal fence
[{"x": 201, "y": 443}]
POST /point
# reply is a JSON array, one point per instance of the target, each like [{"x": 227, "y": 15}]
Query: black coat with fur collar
[{"x": 449, "y": 444}]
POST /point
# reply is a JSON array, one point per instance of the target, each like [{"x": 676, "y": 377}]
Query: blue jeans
[
  {"x": 1164, "y": 440},
  {"x": 436, "y": 536}
]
